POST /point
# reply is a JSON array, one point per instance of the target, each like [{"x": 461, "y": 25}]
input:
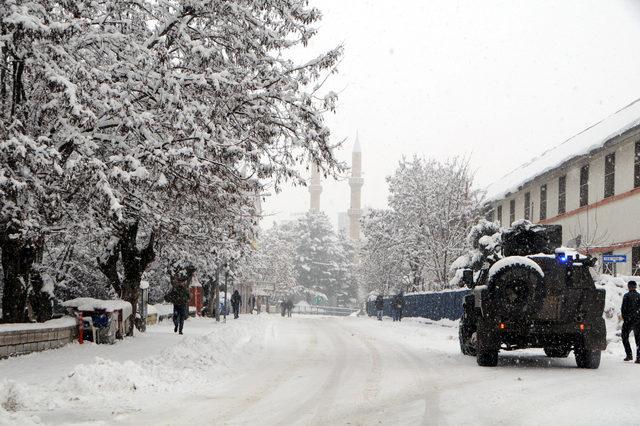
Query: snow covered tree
[
  {"x": 315, "y": 248},
  {"x": 140, "y": 123},
  {"x": 270, "y": 266},
  {"x": 431, "y": 207},
  {"x": 383, "y": 265}
]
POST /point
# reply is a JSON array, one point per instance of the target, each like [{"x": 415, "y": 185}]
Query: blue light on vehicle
[{"x": 562, "y": 258}]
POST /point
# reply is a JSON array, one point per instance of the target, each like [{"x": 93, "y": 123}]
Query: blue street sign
[{"x": 614, "y": 258}]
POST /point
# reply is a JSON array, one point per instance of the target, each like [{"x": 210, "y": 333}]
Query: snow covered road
[{"x": 318, "y": 370}]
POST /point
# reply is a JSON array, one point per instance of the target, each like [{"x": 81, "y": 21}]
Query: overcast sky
[{"x": 498, "y": 81}]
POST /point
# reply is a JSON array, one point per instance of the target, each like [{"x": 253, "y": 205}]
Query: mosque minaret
[{"x": 355, "y": 182}]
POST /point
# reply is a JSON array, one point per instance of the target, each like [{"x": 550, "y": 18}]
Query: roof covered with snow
[{"x": 593, "y": 137}]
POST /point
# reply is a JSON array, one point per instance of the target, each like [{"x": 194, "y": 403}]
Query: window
[
  {"x": 527, "y": 205},
  {"x": 584, "y": 185},
  {"x": 636, "y": 167},
  {"x": 500, "y": 214},
  {"x": 608, "y": 268},
  {"x": 512, "y": 211},
  {"x": 609, "y": 175},
  {"x": 635, "y": 261},
  {"x": 562, "y": 194},
  {"x": 543, "y": 202}
]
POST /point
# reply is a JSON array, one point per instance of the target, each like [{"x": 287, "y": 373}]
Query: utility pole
[
  {"x": 217, "y": 293},
  {"x": 226, "y": 290}
]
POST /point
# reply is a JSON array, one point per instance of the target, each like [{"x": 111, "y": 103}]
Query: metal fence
[
  {"x": 323, "y": 310},
  {"x": 435, "y": 306}
]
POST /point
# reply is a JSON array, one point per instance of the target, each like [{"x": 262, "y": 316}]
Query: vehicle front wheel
[
  {"x": 466, "y": 335},
  {"x": 587, "y": 358}
]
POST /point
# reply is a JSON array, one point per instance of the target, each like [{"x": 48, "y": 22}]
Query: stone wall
[{"x": 17, "y": 340}]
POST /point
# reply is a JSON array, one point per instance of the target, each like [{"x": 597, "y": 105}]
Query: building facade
[{"x": 594, "y": 194}]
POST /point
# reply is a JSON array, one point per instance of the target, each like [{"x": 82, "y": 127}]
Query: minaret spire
[
  {"x": 355, "y": 182},
  {"x": 315, "y": 189}
]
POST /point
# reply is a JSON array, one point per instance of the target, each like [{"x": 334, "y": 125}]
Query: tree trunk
[
  {"x": 18, "y": 257},
  {"x": 134, "y": 263}
]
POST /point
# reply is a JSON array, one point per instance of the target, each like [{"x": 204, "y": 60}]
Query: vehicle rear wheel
[
  {"x": 487, "y": 358},
  {"x": 557, "y": 351},
  {"x": 587, "y": 358}
]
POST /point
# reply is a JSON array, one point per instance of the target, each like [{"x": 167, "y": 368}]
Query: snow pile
[
  {"x": 513, "y": 260},
  {"x": 615, "y": 287},
  {"x": 161, "y": 308},
  {"x": 91, "y": 304},
  {"x": 580, "y": 144},
  {"x": 193, "y": 363}
]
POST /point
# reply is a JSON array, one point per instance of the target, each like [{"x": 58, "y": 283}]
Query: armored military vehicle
[{"x": 533, "y": 294}]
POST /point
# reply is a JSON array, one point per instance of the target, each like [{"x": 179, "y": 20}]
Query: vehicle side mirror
[{"x": 467, "y": 277}]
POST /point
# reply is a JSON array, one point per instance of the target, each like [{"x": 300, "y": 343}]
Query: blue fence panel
[{"x": 434, "y": 306}]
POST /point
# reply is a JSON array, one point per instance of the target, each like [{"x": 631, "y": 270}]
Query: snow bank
[
  {"x": 513, "y": 260},
  {"x": 55, "y": 323},
  {"x": 615, "y": 287},
  {"x": 90, "y": 304},
  {"x": 162, "y": 308},
  {"x": 188, "y": 367},
  {"x": 580, "y": 144}
]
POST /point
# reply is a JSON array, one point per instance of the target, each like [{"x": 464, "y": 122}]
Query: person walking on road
[
  {"x": 398, "y": 306},
  {"x": 236, "y": 302},
  {"x": 379, "y": 306},
  {"x": 179, "y": 296},
  {"x": 631, "y": 320},
  {"x": 289, "y": 307}
]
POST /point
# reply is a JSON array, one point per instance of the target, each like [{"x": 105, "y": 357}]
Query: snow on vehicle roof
[
  {"x": 593, "y": 137},
  {"x": 91, "y": 304}
]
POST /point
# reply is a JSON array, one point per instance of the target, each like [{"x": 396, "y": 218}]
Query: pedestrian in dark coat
[
  {"x": 236, "y": 302},
  {"x": 379, "y": 306},
  {"x": 289, "y": 307},
  {"x": 398, "y": 306},
  {"x": 179, "y": 296},
  {"x": 631, "y": 320}
]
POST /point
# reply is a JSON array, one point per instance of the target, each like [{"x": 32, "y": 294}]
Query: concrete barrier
[{"x": 20, "y": 339}]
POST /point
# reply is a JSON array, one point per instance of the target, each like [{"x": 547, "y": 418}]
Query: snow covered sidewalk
[
  {"x": 310, "y": 370},
  {"x": 100, "y": 383}
]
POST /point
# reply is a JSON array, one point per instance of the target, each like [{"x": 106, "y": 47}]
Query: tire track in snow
[{"x": 274, "y": 378}]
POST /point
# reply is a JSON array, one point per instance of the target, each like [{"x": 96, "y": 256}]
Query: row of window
[{"x": 609, "y": 189}]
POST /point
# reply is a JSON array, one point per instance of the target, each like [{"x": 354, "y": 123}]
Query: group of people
[
  {"x": 397, "y": 306},
  {"x": 179, "y": 296},
  {"x": 286, "y": 307}
]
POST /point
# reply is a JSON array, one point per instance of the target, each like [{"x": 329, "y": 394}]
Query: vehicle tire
[
  {"x": 487, "y": 358},
  {"x": 587, "y": 358},
  {"x": 557, "y": 351},
  {"x": 466, "y": 331},
  {"x": 518, "y": 290}
]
